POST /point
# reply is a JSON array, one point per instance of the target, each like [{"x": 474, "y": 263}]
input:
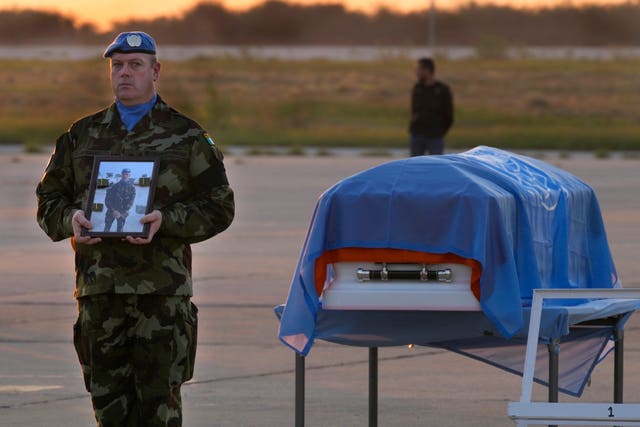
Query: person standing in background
[{"x": 431, "y": 111}]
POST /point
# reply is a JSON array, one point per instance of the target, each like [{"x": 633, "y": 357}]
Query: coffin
[{"x": 504, "y": 224}]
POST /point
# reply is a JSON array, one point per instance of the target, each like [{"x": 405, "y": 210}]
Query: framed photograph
[{"x": 120, "y": 194}]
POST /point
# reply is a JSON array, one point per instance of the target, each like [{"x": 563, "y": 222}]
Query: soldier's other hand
[
  {"x": 117, "y": 214},
  {"x": 78, "y": 222},
  {"x": 154, "y": 219}
]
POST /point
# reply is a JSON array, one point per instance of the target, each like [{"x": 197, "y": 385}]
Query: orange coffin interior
[{"x": 392, "y": 256}]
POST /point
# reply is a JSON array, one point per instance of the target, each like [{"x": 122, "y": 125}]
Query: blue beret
[{"x": 131, "y": 42}]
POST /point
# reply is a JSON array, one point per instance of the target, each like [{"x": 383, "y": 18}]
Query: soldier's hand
[
  {"x": 117, "y": 214},
  {"x": 78, "y": 222},
  {"x": 154, "y": 219}
]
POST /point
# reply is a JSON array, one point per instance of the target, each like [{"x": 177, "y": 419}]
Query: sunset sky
[{"x": 103, "y": 13}]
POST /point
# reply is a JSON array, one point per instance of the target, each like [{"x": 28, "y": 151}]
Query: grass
[
  {"x": 525, "y": 104},
  {"x": 565, "y": 155},
  {"x": 602, "y": 153},
  {"x": 376, "y": 152},
  {"x": 323, "y": 152},
  {"x": 296, "y": 150}
]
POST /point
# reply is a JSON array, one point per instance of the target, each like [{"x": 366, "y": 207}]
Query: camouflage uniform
[
  {"x": 136, "y": 330},
  {"x": 120, "y": 197},
  {"x": 136, "y": 349}
]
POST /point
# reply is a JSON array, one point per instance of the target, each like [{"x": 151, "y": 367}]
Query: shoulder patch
[{"x": 209, "y": 140}]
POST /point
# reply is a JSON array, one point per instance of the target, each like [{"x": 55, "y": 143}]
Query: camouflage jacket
[
  {"x": 120, "y": 196},
  {"x": 192, "y": 193}
]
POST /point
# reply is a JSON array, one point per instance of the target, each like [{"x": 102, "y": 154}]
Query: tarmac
[{"x": 244, "y": 375}]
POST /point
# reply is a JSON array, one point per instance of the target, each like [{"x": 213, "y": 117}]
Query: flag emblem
[{"x": 209, "y": 140}]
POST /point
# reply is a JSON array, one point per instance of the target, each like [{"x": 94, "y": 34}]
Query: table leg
[
  {"x": 373, "y": 386},
  {"x": 554, "y": 355},
  {"x": 299, "y": 410},
  {"x": 618, "y": 367}
]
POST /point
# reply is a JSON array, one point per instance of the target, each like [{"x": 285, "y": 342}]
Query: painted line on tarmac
[
  {"x": 15, "y": 388},
  {"x": 44, "y": 402}
]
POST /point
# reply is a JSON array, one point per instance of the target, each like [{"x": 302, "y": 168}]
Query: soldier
[
  {"x": 136, "y": 329},
  {"x": 119, "y": 200}
]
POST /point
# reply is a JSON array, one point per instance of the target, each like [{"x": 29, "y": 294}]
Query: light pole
[{"x": 432, "y": 27}]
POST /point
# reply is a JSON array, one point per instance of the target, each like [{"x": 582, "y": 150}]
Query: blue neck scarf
[{"x": 131, "y": 115}]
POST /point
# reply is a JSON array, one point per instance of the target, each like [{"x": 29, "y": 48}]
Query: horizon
[{"x": 104, "y": 14}]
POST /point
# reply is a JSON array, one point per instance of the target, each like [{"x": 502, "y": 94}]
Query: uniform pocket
[{"x": 82, "y": 346}]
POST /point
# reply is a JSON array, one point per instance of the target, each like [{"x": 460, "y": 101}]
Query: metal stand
[
  {"x": 554, "y": 363},
  {"x": 553, "y": 349},
  {"x": 527, "y": 412}
]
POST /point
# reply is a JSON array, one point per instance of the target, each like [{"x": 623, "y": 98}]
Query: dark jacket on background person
[{"x": 431, "y": 110}]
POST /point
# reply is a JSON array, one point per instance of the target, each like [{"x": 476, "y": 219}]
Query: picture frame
[{"x": 121, "y": 192}]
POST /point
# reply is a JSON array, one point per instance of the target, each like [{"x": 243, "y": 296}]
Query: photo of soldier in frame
[{"x": 120, "y": 194}]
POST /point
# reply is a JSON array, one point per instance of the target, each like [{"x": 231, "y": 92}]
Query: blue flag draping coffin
[{"x": 528, "y": 224}]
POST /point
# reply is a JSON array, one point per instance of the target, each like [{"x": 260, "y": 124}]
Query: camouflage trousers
[
  {"x": 135, "y": 352},
  {"x": 108, "y": 221}
]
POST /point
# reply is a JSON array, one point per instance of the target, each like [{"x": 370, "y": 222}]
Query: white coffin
[{"x": 346, "y": 292}]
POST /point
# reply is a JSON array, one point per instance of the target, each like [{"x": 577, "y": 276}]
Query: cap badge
[{"x": 134, "y": 40}]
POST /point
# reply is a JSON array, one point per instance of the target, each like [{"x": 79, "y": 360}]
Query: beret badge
[{"x": 134, "y": 40}]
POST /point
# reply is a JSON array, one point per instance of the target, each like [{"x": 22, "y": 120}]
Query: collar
[{"x": 131, "y": 115}]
